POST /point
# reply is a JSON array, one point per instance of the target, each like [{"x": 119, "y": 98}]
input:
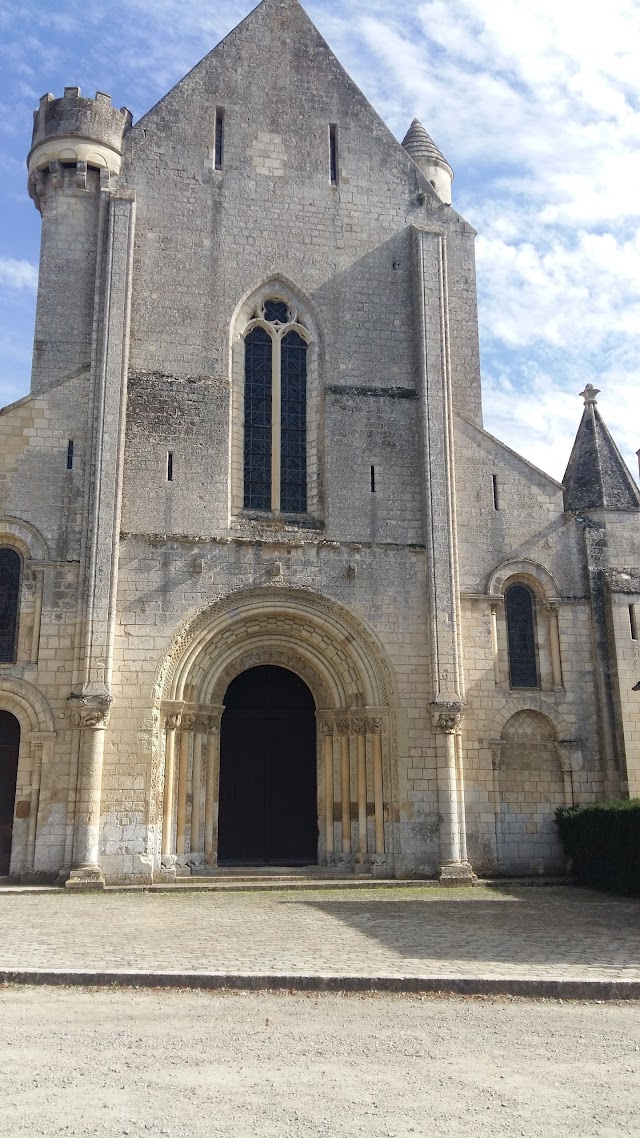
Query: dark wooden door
[
  {"x": 9, "y": 748},
  {"x": 268, "y": 781}
]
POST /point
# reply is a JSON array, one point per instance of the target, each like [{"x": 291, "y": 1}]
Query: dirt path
[{"x": 115, "y": 1063}]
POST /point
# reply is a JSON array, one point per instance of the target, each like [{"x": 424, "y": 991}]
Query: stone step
[{"x": 259, "y": 883}]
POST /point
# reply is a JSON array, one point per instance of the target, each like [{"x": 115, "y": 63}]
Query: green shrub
[{"x": 603, "y": 843}]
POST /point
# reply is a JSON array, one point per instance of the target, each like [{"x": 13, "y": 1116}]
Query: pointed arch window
[
  {"x": 276, "y": 347},
  {"x": 10, "y": 572},
  {"x": 521, "y": 631}
]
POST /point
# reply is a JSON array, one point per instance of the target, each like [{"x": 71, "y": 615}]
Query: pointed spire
[
  {"x": 421, "y": 146},
  {"x": 597, "y": 477}
]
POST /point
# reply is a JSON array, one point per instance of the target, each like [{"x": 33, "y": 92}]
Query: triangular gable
[{"x": 277, "y": 53}]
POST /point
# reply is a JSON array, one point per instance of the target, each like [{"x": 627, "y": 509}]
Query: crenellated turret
[
  {"x": 75, "y": 132},
  {"x": 76, "y": 151}
]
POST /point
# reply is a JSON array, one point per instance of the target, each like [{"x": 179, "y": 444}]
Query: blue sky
[{"x": 536, "y": 104}]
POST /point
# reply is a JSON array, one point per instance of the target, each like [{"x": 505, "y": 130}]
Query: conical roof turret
[
  {"x": 597, "y": 477},
  {"x": 421, "y": 147}
]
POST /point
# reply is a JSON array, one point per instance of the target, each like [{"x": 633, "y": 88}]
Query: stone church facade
[{"x": 269, "y": 592}]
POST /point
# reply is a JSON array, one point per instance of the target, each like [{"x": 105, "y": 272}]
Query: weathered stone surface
[{"x": 147, "y": 586}]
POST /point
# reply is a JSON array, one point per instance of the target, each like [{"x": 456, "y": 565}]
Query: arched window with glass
[
  {"x": 276, "y": 346},
  {"x": 10, "y": 573},
  {"x": 521, "y": 633}
]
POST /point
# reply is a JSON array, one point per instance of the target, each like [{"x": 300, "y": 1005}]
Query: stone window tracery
[
  {"x": 10, "y": 572},
  {"x": 276, "y": 349}
]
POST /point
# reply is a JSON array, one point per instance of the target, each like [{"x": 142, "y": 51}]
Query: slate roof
[{"x": 597, "y": 477}]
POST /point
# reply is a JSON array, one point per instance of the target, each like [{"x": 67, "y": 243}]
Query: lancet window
[
  {"x": 276, "y": 345},
  {"x": 10, "y": 570}
]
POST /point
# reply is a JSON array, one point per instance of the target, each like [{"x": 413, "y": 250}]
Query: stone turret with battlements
[{"x": 76, "y": 152}]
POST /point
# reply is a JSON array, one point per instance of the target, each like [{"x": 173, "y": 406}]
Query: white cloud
[{"x": 16, "y": 274}]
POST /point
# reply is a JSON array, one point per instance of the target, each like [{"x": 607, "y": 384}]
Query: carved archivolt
[
  {"x": 340, "y": 660},
  {"x": 346, "y": 671}
]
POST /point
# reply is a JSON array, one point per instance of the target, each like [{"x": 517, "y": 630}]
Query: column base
[
  {"x": 85, "y": 879},
  {"x": 456, "y": 873}
]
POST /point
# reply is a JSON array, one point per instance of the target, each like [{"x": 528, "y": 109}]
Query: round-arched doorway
[
  {"x": 9, "y": 749},
  {"x": 268, "y": 812}
]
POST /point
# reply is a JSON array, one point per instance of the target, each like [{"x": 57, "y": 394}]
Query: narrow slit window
[
  {"x": 333, "y": 153},
  {"x": 219, "y": 154},
  {"x": 170, "y": 466},
  {"x": 633, "y": 621},
  {"x": 496, "y": 498},
  {"x": 70, "y": 455},
  {"x": 373, "y": 480}
]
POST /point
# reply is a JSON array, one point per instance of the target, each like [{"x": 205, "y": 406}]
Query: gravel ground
[{"x": 118, "y": 1062}]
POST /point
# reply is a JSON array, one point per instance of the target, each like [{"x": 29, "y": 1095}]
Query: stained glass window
[
  {"x": 523, "y": 669},
  {"x": 293, "y": 488},
  {"x": 10, "y": 566},
  {"x": 276, "y": 312},
  {"x": 257, "y": 420},
  {"x": 275, "y": 375}
]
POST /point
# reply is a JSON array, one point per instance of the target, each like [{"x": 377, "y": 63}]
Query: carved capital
[
  {"x": 172, "y": 721},
  {"x": 189, "y": 721},
  {"x": 374, "y": 725},
  {"x": 343, "y": 725},
  {"x": 326, "y": 727},
  {"x": 359, "y": 725},
  {"x": 447, "y": 717},
  {"x": 90, "y": 711}
]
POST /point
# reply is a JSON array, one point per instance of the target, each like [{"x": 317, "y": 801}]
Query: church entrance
[
  {"x": 9, "y": 748},
  {"x": 268, "y": 812}
]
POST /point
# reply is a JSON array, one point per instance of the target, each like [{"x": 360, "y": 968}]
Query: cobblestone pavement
[{"x": 534, "y": 933}]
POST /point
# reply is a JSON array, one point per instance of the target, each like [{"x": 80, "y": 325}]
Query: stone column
[
  {"x": 454, "y": 869},
  {"x": 495, "y": 645},
  {"x": 344, "y": 730},
  {"x": 172, "y": 725},
  {"x": 212, "y": 788},
  {"x": 326, "y": 732},
  {"x": 38, "y": 741},
  {"x": 186, "y": 735},
  {"x": 359, "y": 728},
  {"x": 91, "y": 717},
  {"x": 101, "y": 514},
  {"x": 38, "y": 577},
  {"x": 496, "y": 762},
  {"x": 196, "y": 850},
  {"x": 375, "y": 732},
  {"x": 554, "y": 644},
  {"x": 442, "y": 585}
]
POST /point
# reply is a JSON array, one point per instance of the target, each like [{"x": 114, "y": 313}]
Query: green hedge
[{"x": 603, "y": 843}]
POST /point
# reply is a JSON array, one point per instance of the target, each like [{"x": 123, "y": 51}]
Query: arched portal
[
  {"x": 9, "y": 752},
  {"x": 351, "y": 694},
  {"x": 268, "y": 812}
]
